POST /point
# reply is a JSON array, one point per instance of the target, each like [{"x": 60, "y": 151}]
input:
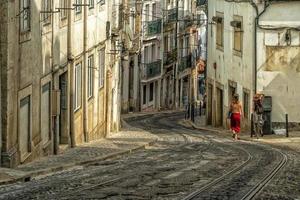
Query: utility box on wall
[{"x": 267, "y": 105}]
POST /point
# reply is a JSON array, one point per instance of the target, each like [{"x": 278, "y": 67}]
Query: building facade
[
  {"x": 253, "y": 47},
  {"x": 278, "y": 59},
  {"x": 230, "y": 59},
  {"x": 59, "y": 75},
  {"x": 164, "y": 68}
]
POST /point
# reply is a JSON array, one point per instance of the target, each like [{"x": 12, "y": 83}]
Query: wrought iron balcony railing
[
  {"x": 154, "y": 27},
  {"x": 170, "y": 57},
  {"x": 172, "y": 15},
  {"x": 185, "y": 63},
  {"x": 153, "y": 69}
]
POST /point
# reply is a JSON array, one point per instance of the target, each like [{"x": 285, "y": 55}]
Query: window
[
  {"x": 187, "y": 45},
  {"x": 154, "y": 11},
  {"x": 78, "y": 6},
  {"x": 91, "y": 4},
  {"x": 25, "y": 14},
  {"x": 151, "y": 92},
  {"x": 101, "y": 2},
  {"x": 246, "y": 104},
  {"x": 77, "y": 96},
  {"x": 144, "y": 94},
  {"x": 101, "y": 67},
  {"x": 64, "y": 11},
  {"x": 46, "y": 8},
  {"x": 238, "y": 34},
  {"x": 220, "y": 32},
  {"x": 91, "y": 76},
  {"x": 153, "y": 53},
  {"x": 147, "y": 13},
  {"x": 166, "y": 44},
  {"x": 146, "y": 55}
]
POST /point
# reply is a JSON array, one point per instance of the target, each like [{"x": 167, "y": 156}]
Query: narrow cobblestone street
[{"x": 183, "y": 161}]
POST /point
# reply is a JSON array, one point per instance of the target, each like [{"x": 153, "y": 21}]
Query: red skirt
[{"x": 236, "y": 122}]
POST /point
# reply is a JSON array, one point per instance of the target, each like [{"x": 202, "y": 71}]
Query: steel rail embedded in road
[
  {"x": 218, "y": 180},
  {"x": 263, "y": 183}
]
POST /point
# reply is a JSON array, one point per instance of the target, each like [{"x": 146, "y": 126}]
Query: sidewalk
[
  {"x": 125, "y": 141},
  {"x": 291, "y": 142}
]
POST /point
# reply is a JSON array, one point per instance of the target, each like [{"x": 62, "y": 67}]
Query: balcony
[
  {"x": 185, "y": 63},
  {"x": 200, "y": 3},
  {"x": 153, "y": 69},
  {"x": 187, "y": 22},
  {"x": 170, "y": 57},
  {"x": 172, "y": 15},
  {"x": 154, "y": 27}
]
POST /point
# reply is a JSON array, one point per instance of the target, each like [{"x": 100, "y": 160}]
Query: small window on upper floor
[
  {"x": 25, "y": 15},
  {"x": 101, "y": 2},
  {"x": 91, "y": 4},
  {"x": 46, "y": 12},
  {"x": 219, "y": 20},
  {"x": 78, "y": 6},
  {"x": 64, "y": 10},
  {"x": 237, "y": 25}
]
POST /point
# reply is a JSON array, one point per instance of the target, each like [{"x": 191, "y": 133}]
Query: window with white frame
[
  {"x": 46, "y": 8},
  {"x": 101, "y": 2},
  {"x": 154, "y": 11},
  {"x": 25, "y": 14},
  {"x": 91, "y": 76},
  {"x": 101, "y": 67},
  {"x": 91, "y": 4},
  {"x": 78, "y": 86},
  {"x": 64, "y": 11},
  {"x": 147, "y": 13},
  {"x": 220, "y": 30},
  {"x": 238, "y": 34},
  {"x": 78, "y": 5}
]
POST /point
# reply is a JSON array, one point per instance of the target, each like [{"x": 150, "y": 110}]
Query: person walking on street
[
  {"x": 236, "y": 113},
  {"x": 258, "y": 118}
]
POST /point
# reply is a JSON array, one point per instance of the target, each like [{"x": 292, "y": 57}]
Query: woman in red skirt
[{"x": 236, "y": 114}]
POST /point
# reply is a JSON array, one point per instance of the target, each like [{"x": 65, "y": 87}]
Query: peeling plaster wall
[{"x": 279, "y": 61}]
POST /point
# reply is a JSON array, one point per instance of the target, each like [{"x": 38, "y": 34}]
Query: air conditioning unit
[
  {"x": 217, "y": 19},
  {"x": 236, "y": 24}
]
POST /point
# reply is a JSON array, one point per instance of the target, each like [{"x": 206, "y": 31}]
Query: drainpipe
[
  {"x": 53, "y": 118},
  {"x": 70, "y": 78},
  {"x": 256, "y": 26},
  {"x": 85, "y": 68}
]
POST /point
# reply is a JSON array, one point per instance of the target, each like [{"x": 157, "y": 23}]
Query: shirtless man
[{"x": 236, "y": 115}]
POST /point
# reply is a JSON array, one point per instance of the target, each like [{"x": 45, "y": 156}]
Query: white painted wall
[
  {"x": 230, "y": 66},
  {"x": 279, "y": 75}
]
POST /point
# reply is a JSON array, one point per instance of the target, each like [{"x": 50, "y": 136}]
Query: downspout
[
  {"x": 70, "y": 78},
  {"x": 206, "y": 46},
  {"x": 85, "y": 68},
  {"x": 176, "y": 81},
  {"x": 53, "y": 118},
  {"x": 256, "y": 25}
]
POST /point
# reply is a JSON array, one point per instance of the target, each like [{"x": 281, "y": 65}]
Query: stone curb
[
  {"x": 221, "y": 132},
  {"x": 28, "y": 176}
]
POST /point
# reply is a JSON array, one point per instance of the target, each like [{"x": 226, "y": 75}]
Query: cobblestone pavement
[{"x": 180, "y": 162}]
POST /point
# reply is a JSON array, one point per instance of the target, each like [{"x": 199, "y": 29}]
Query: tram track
[
  {"x": 158, "y": 172},
  {"x": 254, "y": 191},
  {"x": 264, "y": 182},
  {"x": 178, "y": 128}
]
